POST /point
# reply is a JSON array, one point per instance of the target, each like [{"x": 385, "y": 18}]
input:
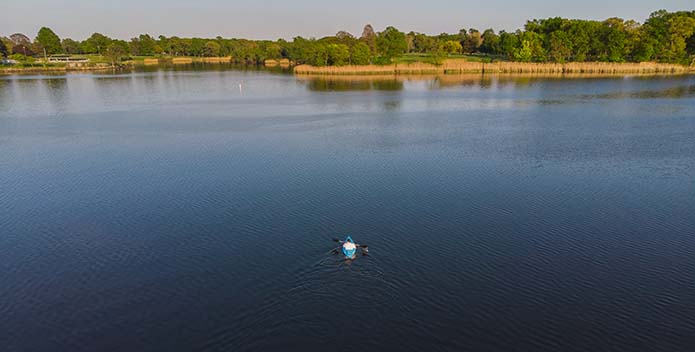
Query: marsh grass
[{"x": 458, "y": 66}]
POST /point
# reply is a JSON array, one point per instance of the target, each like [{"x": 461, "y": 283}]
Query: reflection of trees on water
[
  {"x": 201, "y": 66},
  {"x": 396, "y": 83},
  {"x": 346, "y": 85},
  {"x": 57, "y": 92},
  {"x": 449, "y": 81},
  {"x": 674, "y": 92}
]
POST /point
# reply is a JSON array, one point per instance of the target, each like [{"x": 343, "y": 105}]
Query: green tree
[
  {"x": 70, "y": 46},
  {"x": 509, "y": 43},
  {"x": 271, "y": 50},
  {"x": 338, "y": 54},
  {"x": 114, "y": 53},
  {"x": 48, "y": 41},
  {"x": 644, "y": 49},
  {"x": 96, "y": 43},
  {"x": 423, "y": 43},
  {"x": 473, "y": 41},
  {"x": 177, "y": 46},
  {"x": 7, "y": 44},
  {"x": 452, "y": 47},
  {"x": 491, "y": 42},
  {"x": 197, "y": 47},
  {"x": 391, "y": 43},
  {"x": 534, "y": 41},
  {"x": 212, "y": 48},
  {"x": 615, "y": 40},
  {"x": 560, "y": 46},
  {"x": 579, "y": 35},
  {"x": 360, "y": 54},
  {"x": 524, "y": 53},
  {"x": 143, "y": 45},
  {"x": 681, "y": 28},
  {"x": 690, "y": 45},
  {"x": 3, "y": 50}
]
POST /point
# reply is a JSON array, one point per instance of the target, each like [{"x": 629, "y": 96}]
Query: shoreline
[
  {"x": 101, "y": 66},
  {"x": 448, "y": 67},
  {"x": 461, "y": 67}
]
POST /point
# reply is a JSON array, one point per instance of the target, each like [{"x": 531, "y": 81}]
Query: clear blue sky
[{"x": 272, "y": 19}]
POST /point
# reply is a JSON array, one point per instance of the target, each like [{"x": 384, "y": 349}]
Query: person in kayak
[{"x": 349, "y": 249}]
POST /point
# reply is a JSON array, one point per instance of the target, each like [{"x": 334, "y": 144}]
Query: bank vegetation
[{"x": 548, "y": 45}]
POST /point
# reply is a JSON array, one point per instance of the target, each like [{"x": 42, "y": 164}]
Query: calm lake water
[{"x": 193, "y": 210}]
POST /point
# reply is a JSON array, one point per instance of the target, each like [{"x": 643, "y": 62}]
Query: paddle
[{"x": 365, "y": 248}]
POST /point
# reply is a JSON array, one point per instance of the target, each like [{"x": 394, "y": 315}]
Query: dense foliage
[
  {"x": 49, "y": 41},
  {"x": 664, "y": 37}
]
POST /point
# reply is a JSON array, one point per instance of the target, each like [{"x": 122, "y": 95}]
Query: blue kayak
[{"x": 349, "y": 247}]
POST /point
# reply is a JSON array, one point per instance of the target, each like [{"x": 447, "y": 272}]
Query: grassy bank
[
  {"x": 458, "y": 66},
  {"x": 54, "y": 68},
  {"x": 98, "y": 63}
]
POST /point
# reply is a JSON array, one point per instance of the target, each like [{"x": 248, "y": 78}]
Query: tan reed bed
[
  {"x": 276, "y": 63},
  {"x": 587, "y": 68},
  {"x": 454, "y": 66},
  {"x": 217, "y": 60},
  {"x": 181, "y": 60},
  {"x": 208, "y": 60}
]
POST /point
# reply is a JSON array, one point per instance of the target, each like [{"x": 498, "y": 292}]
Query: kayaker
[{"x": 349, "y": 247}]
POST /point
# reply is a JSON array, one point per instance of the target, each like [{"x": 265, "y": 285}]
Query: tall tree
[
  {"x": 369, "y": 38},
  {"x": 49, "y": 41},
  {"x": 614, "y": 36}
]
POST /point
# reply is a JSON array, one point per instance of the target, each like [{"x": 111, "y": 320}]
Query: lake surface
[{"x": 193, "y": 210}]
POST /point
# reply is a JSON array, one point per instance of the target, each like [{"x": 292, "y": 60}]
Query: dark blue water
[{"x": 180, "y": 211}]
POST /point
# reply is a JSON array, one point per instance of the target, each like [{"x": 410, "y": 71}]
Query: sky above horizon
[{"x": 273, "y": 19}]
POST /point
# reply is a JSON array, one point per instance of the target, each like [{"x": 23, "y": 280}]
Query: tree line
[{"x": 664, "y": 37}]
